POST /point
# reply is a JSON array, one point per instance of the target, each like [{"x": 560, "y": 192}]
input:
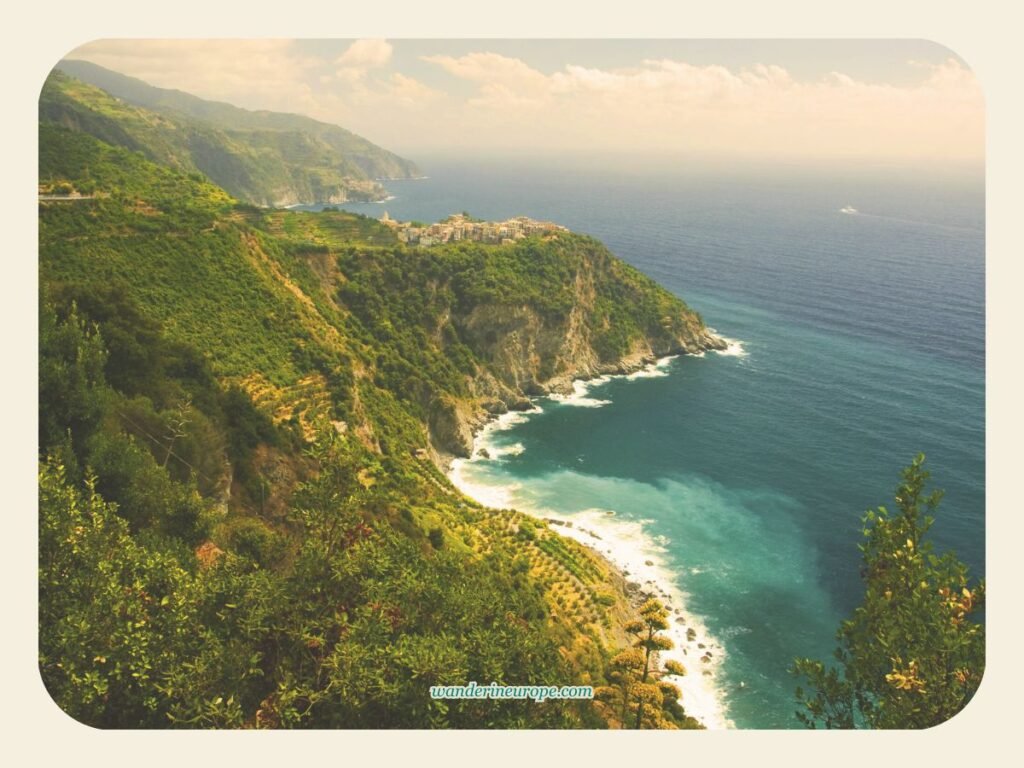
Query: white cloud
[
  {"x": 366, "y": 54},
  {"x": 656, "y": 105},
  {"x": 667, "y": 105},
  {"x": 490, "y": 68},
  {"x": 362, "y": 56},
  {"x": 409, "y": 92},
  {"x": 240, "y": 71}
]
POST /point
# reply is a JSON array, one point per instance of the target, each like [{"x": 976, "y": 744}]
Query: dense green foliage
[
  {"x": 911, "y": 656},
  {"x": 349, "y": 634},
  {"x": 541, "y": 274},
  {"x": 259, "y": 157},
  {"x": 329, "y": 616}
]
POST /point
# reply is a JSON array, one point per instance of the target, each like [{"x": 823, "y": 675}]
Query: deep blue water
[{"x": 864, "y": 337}]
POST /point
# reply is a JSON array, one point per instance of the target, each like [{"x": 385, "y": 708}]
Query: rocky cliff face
[
  {"x": 529, "y": 354},
  {"x": 351, "y": 190},
  {"x": 314, "y": 187}
]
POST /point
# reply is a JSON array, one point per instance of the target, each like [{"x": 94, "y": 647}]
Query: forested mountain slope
[
  {"x": 241, "y": 524},
  {"x": 265, "y": 158}
]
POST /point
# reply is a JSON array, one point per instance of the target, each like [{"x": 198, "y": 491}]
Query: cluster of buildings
[{"x": 461, "y": 227}]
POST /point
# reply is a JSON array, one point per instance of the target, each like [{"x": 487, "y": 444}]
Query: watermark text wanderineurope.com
[{"x": 495, "y": 691}]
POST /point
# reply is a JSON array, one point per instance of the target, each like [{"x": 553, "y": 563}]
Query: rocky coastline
[
  {"x": 454, "y": 423},
  {"x": 635, "y": 570}
]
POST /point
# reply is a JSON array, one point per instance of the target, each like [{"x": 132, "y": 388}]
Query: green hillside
[
  {"x": 261, "y": 158},
  {"x": 243, "y": 522},
  {"x": 372, "y": 160}
]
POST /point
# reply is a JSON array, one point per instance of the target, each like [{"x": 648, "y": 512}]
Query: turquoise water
[{"x": 863, "y": 337}]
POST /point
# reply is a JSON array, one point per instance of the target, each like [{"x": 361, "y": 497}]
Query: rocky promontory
[{"x": 529, "y": 352}]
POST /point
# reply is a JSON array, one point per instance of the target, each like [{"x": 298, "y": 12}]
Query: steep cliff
[
  {"x": 529, "y": 355},
  {"x": 517, "y": 320}
]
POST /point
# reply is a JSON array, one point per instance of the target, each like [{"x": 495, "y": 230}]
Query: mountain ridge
[{"x": 265, "y": 158}]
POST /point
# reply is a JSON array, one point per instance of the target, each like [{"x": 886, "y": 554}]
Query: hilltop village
[{"x": 461, "y": 226}]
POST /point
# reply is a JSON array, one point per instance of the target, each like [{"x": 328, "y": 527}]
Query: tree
[
  {"x": 910, "y": 656},
  {"x": 112, "y": 621},
  {"x": 72, "y": 385},
  {"x": 640, "y": 696},
  {"x": 176, "y": 426}
]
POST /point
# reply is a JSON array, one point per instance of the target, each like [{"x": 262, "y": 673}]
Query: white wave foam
[
  {"x": 508, "y": 420},
  {"x": 494, "y": 496},
  {"x": 653, "y": 370},
  {"x": 581, "y": 388},
  {"x": 484, "y": 440},
  {"x": 628, "y": 546},
  {"x": 580, "y": 394},
  {"x": 849, "y": 209},
  {"x": 496, "y": 452},
  {"x": 734, "y": 348}
]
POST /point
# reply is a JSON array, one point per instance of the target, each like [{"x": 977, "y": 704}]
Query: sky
[{"x": 790, "y": 101}]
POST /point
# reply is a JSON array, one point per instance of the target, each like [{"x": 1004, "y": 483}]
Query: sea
[{"x": 733, "y": 485}]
